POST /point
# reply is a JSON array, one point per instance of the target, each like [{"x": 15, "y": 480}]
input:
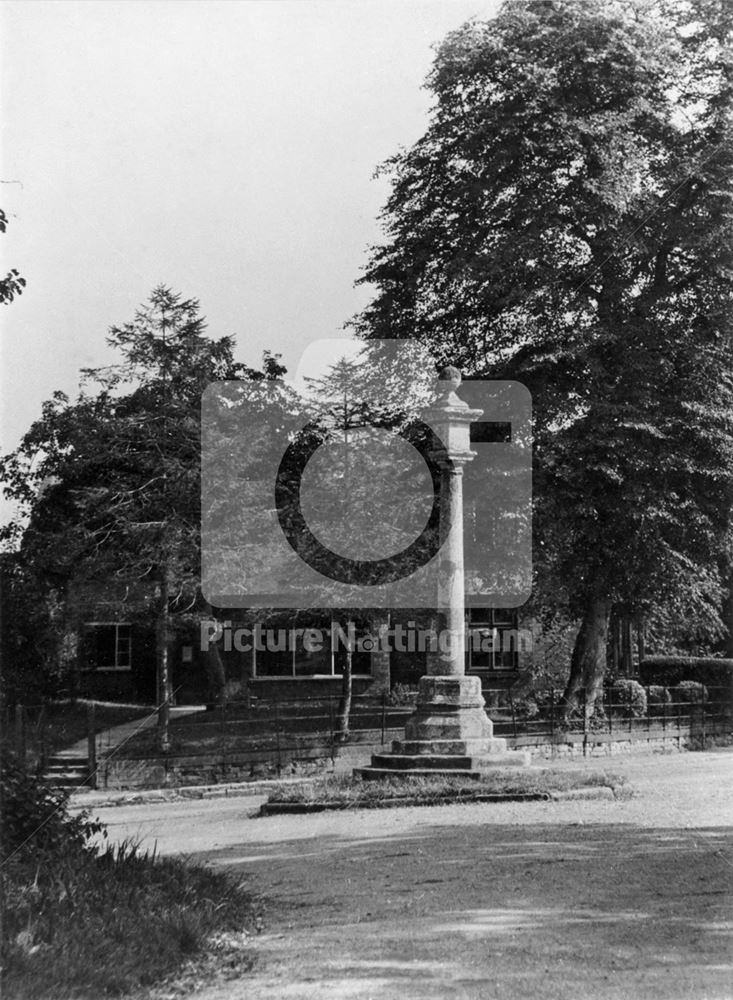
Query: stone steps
[
  {"x": 428, "y": 762},
  {"x": 446, "y": 765},
  {"x": 448, "y": 735},
  {"x": 370, "y": 773},
  {"x": 66, "y": 771}
]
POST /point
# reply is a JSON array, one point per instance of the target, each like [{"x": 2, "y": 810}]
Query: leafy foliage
[
  {"x": 35, "y": 821},
  {"x": 630, "y": 696},
  {"x": 83, "y": 922},
  {"x": 108, "y": 485},
  {"x": 566, "y": 220},
  {"x": 659, "y": 700},
  {"x": 690, "y": 691},
  {"x": 12, "y": 284}
]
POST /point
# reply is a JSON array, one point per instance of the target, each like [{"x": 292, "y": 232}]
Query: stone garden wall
[{"x": 212, "y": 769}]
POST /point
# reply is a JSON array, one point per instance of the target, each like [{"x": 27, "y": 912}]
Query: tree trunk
[
  {"x": 163, "y": 659},
  {"x": 640, "y": 642},
  {"x": 614, "y": 643},
  {"x": 215, "y": 674},
  {"x": 588, "y": 662},
  {"x": 627, "y": 657},
  {"x": 728, "y": 613},
  {"x": 344, "y": 707},
  {"x": 216, "y": 677}
]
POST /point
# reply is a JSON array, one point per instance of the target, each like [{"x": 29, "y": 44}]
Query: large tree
[
  {"x": 108, "y": 485},
  {"x": 566, "y": 220}
]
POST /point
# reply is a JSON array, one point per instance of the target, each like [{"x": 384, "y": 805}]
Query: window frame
[
  {"x": 489, "y": 621},
  {"x": 116, "y": 667},
  {"x": 292, "y": 650}
]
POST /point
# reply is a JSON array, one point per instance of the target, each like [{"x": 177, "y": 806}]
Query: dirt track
[{"x": 570, "y": 900}]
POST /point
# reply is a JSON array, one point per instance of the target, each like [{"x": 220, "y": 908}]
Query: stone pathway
[{"x": 110, "y": 740}]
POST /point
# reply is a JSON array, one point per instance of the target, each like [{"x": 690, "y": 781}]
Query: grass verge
[
  {"x": 83, "y": 922},
  {"x": 351, "y": 792}
]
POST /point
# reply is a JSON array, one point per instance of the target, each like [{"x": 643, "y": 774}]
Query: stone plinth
[
  {"x": 449, "y": 734},
  {"x": 449, "y": 708}
]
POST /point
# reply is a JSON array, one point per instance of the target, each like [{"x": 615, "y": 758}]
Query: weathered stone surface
[
  {"x": 448, "y": 734},
  {"x": 446, "y": 765},
  {"x": 449, "y": 708},
  {"x": 449, "y": 762},
  {"x": 471, "y": 748},
  {"x": 369, "y": 773},
  {"x": 462, "y": 691}
]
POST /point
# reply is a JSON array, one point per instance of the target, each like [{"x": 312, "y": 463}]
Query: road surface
[{"x": 624, "y": 900}]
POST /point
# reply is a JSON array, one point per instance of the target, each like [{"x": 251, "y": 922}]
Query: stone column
[
  {"x": 451, "y": 418},
  {"x": 449, "y": 732},
  {"x": 450, "y": 716},
  {"x": 448, "y": 660}
]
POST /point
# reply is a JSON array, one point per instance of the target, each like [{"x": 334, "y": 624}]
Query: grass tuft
[
  {"x": 352, "y": 792},
  {"x": 85, "y": 919},
  {"x": 86, "y": 925}
]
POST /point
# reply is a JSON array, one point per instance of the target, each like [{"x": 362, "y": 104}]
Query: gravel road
[{"x": 623, "y": 900}]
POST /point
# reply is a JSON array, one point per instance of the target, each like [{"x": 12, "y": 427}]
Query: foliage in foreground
[
  {"x": 353, "y": 792},
  {"x": 79, "y": 921}
]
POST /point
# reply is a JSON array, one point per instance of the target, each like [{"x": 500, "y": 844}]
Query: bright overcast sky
[{"x": 225, "y": 149}]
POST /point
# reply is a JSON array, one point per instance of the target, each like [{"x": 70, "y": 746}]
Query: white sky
[{"x": 223, "y": 148}]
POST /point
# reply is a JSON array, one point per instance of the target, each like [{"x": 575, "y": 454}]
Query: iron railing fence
[
  {"x": 276, "y": 729},
  {"x": 701, "y": 712}
]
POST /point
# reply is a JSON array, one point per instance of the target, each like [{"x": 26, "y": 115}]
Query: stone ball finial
[{"x": 451, "y": 376}]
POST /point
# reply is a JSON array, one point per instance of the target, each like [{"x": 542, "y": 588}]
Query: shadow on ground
[{"x": 597, "y": 911}]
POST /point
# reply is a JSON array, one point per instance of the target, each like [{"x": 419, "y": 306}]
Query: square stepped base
[
  {"x": 452, "y": 765},
  {"x": 448, "y": 735}
]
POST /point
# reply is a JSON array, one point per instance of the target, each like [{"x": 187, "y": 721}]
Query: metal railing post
[
  {"x": 332, "y": 741},
  {"x": 704, "y": 691},
  {"x": 514, "y": 718},
  {"x": 552, "y": 712},
  {"x": 20, "y": 733},
  {"x": 43, "y": 749},
  {"x": 223, "y": 739},
  {"x": 91, "y": 746},
  {"x": 277, "y": 735}
]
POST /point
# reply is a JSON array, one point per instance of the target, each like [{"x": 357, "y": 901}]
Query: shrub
[
  {"x": 526, "y": 707},
  {"x": 669, "y": 670},
  {"x": 84, "y": 925},
  {"x": 84, "y": 922},
  {"x": 234, "y": 691},
  {"x": 658, "y": 699},
  {"x": 689, "y": 692},
  {"x": 34, "y": 818},
  {"x": 629, "y": 696},
  {"x": 547, "y": 701},
  {"x": 402, "y": 694}
]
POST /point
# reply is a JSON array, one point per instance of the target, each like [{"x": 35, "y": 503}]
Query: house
[{"x": 290, "y": 654}]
